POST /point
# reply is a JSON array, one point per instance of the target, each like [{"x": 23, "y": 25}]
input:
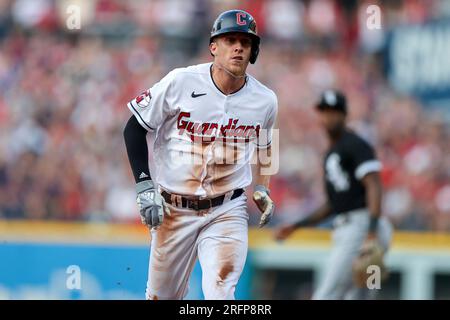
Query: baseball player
[
  {"x": 207, "y": 121},
  {"x": 354, "y": 191}
]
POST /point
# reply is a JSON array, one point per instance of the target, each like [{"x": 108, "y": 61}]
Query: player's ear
[{"x": 213, "y": 48}]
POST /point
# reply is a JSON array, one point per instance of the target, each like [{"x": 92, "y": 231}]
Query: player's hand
[
  {"x": 264, "y": 203},
  {"x": 151, "y": 204},
  {"x": 281, "y": 233}
]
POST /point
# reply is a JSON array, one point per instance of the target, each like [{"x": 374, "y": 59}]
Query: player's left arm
[
  {"x": 371, "y": 252},
  {"x": 372, "y": 183},
  {"x": 263, "y": 163},
  {"x": 263, "y": 167},
  {"x": 261, "y": 194},
  {"x": 367, "y": 170}
]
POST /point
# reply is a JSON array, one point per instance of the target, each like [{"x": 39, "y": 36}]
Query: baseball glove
[{"x": 371, "y": 254}]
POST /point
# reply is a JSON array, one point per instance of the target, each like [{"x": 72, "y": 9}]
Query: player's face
[
  {"x": 232, "y": 51},
  {"x": 333, "y": 121}
]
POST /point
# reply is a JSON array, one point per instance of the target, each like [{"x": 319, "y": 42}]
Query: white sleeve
[
  {"x": 151, "y": 108},
  {"x": 367, "y": 167},
  {"x": 266, "y": 134}
]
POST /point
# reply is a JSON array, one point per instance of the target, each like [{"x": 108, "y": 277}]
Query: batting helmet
[
  {"x": 332, "y": 100},
  {"x": 237, "y": 21}
]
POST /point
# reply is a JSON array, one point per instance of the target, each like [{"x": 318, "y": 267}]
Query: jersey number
[{"x": 335, "y": 174}]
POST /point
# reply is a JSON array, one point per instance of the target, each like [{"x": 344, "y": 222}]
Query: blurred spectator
[{"x": 284, "y": 18}]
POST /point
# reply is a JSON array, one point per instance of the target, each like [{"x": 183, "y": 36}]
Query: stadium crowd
[{"x": 63, "y": 96}]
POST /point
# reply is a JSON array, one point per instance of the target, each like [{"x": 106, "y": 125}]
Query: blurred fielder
[
  {"x": 207, "y": 120},
  {"x": 353, "y": 187}
]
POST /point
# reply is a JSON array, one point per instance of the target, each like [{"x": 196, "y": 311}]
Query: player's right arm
[
  {"x": 318, "y": 215},
  {"x": 135, "y": 137},
  {"x": 149, "y": 109},
  {"x": 151, "y": 204}
]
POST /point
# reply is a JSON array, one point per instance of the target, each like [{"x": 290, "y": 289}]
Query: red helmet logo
[{"x": 239, "y": 18}]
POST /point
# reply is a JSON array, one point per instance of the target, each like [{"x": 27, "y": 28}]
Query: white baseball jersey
[{"x": 204, "y": 139}]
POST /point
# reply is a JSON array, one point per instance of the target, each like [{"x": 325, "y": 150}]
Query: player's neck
[
  {"x": 335, "y": 136},
  {"x": 226, "y": 82}
]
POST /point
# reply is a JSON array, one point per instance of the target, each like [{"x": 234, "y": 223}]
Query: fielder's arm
[
  {"x": 371, "y": 252},
  {"x": 317, "y": 216},
  {"x": 312, "y": 219},
  {"x": 372, "y": 183}
]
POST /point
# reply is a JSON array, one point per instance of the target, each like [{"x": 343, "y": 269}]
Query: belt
[
  {"x": 345, "y": 217},
  {"x": 201, "y": 204},
  {"x": 340, "y": 220}
]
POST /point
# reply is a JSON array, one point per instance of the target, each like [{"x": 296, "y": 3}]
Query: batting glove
[
  {"x": 151, "y": 204},
  {"x": 264, "y": 203}
]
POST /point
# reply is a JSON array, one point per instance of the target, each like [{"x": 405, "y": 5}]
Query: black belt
[{"x": 201, "y": 204}]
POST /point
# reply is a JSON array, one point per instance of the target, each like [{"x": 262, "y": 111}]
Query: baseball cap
[{"x": 332, "y": 100}]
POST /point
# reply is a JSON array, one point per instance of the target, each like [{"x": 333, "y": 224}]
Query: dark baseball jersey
[{"x": 346, "y": 163}]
